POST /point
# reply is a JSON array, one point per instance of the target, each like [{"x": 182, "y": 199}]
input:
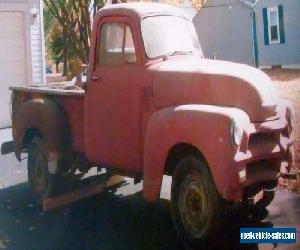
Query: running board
[{"x": 82, "y": 193}]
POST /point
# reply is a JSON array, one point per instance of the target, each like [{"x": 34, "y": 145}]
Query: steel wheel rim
[{"x": 193, "y": 206}]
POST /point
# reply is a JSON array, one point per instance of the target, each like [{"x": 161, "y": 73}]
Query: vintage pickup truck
[{"x": 154, "y": 106}]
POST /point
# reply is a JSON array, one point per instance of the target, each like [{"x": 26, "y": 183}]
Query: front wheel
[{"x": 195, "y": 201}]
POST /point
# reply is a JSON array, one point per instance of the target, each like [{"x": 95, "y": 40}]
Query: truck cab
[{"x": 154, "y": 106}]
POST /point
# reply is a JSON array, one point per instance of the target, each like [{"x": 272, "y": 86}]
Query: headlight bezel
[{"x": 237, "y": 133}]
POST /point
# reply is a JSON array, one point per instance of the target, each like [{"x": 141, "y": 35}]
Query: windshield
[{"x": 165, "y": 35}]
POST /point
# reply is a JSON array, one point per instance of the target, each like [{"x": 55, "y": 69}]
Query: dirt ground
[{"x": 288, "y": 84}]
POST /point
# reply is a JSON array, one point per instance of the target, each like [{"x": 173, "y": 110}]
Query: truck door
[{"x": 112, "y": 103}]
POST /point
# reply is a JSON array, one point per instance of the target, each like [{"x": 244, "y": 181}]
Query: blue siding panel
[{"x": 220, "y": 33}]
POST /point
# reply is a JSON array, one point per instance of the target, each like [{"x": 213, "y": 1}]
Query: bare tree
[
  {"x": 74, "y": 16},
  {"x": 198, "y": 4}
]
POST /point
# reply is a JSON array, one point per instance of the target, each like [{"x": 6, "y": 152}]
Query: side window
[
  {"x": 129, "y": 50},
  {"x": 116, "y": 41},
  {"x": 111, "y": 43}
]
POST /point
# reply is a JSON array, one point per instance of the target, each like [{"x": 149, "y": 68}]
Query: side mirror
[{"x": 81, "y": 77}]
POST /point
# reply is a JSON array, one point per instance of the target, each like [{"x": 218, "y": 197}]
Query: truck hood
[{"x": 193, "y": 80}]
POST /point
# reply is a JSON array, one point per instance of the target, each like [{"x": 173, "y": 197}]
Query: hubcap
[{"x": 193, "y": 206}]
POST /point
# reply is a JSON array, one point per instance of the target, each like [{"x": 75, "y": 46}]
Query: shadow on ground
[{"x": 103, "y": 222}]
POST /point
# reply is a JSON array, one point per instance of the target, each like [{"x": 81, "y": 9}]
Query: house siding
[
  {"x": 285, "y": 54},
  {"x": 37, "y": 53},
  {"x": 22, "y": 55},
  {"x": 224, "y": 30}
]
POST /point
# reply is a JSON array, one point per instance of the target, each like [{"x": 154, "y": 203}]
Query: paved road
[{"x": 111, "y": 221}]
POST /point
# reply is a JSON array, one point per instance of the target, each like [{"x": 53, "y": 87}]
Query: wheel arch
[
  {"x": 45, "y": 118},
  {"x": 29, "y": 134},
  {"x": 179, "y": 151}
]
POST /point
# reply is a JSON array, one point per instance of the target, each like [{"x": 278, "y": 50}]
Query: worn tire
[
  {"x": 37, "y": 167},
  {"x": 195, "y": 202}
]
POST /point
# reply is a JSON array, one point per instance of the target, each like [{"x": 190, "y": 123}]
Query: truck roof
[{"x": 140, "y": 10}]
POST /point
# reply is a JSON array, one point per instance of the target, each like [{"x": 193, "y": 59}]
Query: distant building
[
  {"x": 21, "y": 48},
  {"x": 263, "y": 33}
]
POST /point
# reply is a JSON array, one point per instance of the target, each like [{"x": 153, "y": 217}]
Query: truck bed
[
  {"x": 61, "y": 88},
  {"x": 70, "y": 97}
]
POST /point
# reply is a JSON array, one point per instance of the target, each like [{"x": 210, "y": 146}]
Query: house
[
  {"x": 22, "y": 56},
  {"x": 263, "y": 33}
]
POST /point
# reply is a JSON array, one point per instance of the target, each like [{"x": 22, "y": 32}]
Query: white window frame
[{"x": 273, "y": 9}]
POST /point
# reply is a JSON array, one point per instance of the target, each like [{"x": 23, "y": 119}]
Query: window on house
[
  {"x": 273, "y": 25},
  {"x": 116, "y": 41},
  {"x": 273, "y": 29}
]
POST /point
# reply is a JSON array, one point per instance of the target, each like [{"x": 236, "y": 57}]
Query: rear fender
[{"x": 46, "y": 117}]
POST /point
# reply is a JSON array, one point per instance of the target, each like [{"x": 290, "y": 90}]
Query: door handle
[{"x": 96, "y": 78}]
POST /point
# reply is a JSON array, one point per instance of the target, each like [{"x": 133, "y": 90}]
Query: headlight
[{"x": 236, "y": 133}]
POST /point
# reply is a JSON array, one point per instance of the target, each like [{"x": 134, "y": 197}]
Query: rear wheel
[
  {"x": 37, "y": 166},
  {"x": 195, "y": 201}
]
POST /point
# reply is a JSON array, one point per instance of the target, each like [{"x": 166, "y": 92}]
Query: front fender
[
  {"x": 206, "y": 127},
  {"x": 46, "y": 116}
]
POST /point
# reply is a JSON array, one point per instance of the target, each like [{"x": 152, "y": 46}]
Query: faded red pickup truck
[{"x": 153, "y": 106}]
